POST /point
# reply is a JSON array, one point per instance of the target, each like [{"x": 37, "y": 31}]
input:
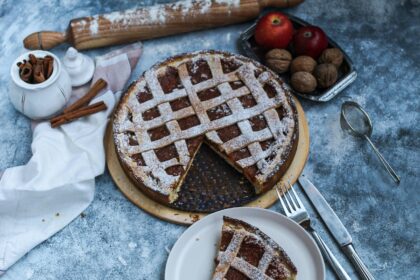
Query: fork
[{"x": 295, "y": 210}]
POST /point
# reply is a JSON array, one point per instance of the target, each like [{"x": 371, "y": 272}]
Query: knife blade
[{"x": 335, "y": 226}]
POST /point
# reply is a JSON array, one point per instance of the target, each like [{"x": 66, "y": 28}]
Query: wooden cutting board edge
[{"x": 166, "y": 213}]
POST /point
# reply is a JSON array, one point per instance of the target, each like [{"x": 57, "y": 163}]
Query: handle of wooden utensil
[
  {"x": 279, "y": 3},
  {"x": 44, "y": 40},
  {"x": 152, "y": 22}
]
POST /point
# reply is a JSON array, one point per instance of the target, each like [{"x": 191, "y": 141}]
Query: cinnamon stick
[
  {"x": 94, "y": 90},
  {"x": 73, "y": 115},
  {"x": 48, "y": 66},
  {"x": 32, "y": 59},
  {"x": 38, "y": 72},
  {"x": 26, "y": 72}
]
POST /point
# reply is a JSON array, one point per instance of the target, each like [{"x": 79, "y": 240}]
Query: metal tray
[{"x": 346, "y": 74}]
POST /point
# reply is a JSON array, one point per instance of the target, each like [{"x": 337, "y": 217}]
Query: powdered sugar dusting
[
  {"x": 94, "y": 25},
  {"x": 228, "y": 256},
  {"x": 226, "y": 110},
  {"x": 157, "y": 14},
  {"x": 273, "y": 254}
]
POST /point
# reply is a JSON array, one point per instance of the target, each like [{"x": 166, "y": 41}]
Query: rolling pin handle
[
  {"x": 44, "y": 40},
  {"x": 279, "y": 3}
]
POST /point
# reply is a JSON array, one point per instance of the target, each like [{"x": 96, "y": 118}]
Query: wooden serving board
[{"x": 178, "y": 216}]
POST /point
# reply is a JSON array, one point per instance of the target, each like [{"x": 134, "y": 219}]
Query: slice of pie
[
  {"x": 247, "y": 253},
  {"x": 238, "y": 107}
]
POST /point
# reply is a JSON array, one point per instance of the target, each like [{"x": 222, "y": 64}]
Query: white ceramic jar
[{"x": 43, "y": 100}]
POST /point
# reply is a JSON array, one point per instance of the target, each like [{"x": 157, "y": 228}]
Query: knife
[{"x": 335, "y": 226}]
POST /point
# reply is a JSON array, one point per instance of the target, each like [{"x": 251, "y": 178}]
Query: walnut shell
[
  {"x": 333, "y": 56},
  {"x": 326, "y": 75},
  {"x": 303, "y": 63},
  {"x": 278, "y": 60},
  {"x": 303, "y": 82}
]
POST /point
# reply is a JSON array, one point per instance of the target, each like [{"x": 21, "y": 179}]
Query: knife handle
[
  {"x": 328, "y": 255},
  {"x": 357, "y": 262}
]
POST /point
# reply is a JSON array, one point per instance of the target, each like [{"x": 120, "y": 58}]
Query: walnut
[
  {"x": 333, "y": 56},
  {"x": 303, "y": 82},
  {"x": 326, "y": 75},
  {"x": 303, "y": 63},
  {"x": 278, "y": 60}
]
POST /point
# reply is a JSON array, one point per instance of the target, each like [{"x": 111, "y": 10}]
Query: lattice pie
[
  {"x": 238, "y": 107},
  {"x": 247, "y": 253}
]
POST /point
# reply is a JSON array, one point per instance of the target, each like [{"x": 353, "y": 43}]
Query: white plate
[{"x": 192, "y": 257}]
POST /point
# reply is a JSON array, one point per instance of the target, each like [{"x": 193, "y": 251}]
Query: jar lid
[{"x": 79, "y": 66}]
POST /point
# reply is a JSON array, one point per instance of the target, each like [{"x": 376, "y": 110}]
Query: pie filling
[
  {"x": 247, "y": 253},
  {"x": 238, "y": 107}
]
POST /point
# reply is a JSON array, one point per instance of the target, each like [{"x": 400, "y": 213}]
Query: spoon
[{"x": 356, "y": 121}]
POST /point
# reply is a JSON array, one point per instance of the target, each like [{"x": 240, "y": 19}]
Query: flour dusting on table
[{"x": 157, "y": 14}]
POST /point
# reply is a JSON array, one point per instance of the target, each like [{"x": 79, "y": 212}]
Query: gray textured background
[{"x": 116, "y": 240}]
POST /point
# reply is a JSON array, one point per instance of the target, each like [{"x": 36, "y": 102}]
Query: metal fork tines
[{"x": 295, "y": 210}]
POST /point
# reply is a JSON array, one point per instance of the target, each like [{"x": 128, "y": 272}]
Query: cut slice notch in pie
[
  {"x": 238, "y": 107},
  {"x": 246, "y": 253}
]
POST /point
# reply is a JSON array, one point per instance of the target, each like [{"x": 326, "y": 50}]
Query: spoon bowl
[{"x": 357, "y": 122}]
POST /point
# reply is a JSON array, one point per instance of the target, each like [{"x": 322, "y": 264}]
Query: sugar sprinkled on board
[
  {"x": 94, "y": 25},
  {"x": 205, "y": 6},
  {"x": 183, "y": 6},
  {"x": 229, "y": 2},
  {"x": 157, "y": 14}
]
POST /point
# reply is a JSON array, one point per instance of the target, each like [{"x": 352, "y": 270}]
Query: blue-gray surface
[{"x": 116, "y": 240}]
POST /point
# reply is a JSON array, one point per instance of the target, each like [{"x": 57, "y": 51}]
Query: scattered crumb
[
  {"x": 167, "y": 249},
  {"x": 82, "y": 215},
  {"x": 194, "y": 218},
  {"x": 132, "y": 245},
  {"x": 57, "y": 214},
  {"x": 29, "y": 273},
  {"x": 122, "y": 261},
  {"x": 197, "y": 239},
  {"x": 43, "y": 220}
]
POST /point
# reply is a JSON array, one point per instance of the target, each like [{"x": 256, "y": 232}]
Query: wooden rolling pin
[{"x": 152, "y": 22}]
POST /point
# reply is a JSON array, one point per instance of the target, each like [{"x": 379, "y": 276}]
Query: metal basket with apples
[{"x": 314, "y": 66}]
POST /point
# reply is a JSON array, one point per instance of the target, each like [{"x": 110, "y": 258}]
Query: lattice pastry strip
[
  {"x": 226, "y": 258},
  {"x": 199, "y": 107},
  {"x": 245, "y": 140},
  {"x": 252, "y": 272},
  {"x": 130, "y": 118},
  {"x": 157, "y": 169},
  {"x": 205, "y": 125},
  {"x": 265, "y": 252}
]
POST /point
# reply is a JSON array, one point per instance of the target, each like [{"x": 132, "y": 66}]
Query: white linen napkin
[{"x": 40, "y": 198}]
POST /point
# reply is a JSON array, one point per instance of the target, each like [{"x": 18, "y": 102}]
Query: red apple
[
  {"x": 310, "y": 40},
  {"x": 274, "y": 30}
]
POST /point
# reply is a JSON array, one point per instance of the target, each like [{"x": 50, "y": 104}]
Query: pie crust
[
  {"x": 245, "y": 252},
  {"x": 238, "y": 107}
]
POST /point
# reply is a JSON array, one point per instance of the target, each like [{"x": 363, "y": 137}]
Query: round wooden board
[{"x": 166, "y": 213}]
